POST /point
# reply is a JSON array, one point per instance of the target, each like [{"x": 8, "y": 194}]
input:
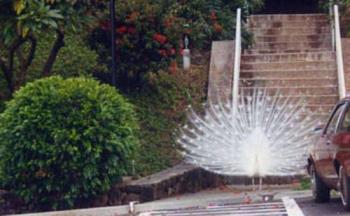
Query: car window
[
  {"x": 344, "y": 125},
  {"x": 332, "y": 126}
]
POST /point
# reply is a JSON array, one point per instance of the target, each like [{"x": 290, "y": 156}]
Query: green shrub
[
  {"x": 65, "y": 141},
  {"x": 161, "y": 109}
]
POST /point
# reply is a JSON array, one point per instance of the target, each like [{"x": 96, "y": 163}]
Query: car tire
[
  {"x": 344, "y": 188},
  {"x": 320, "y": 191}
]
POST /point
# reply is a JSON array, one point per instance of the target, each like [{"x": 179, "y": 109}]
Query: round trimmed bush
[{"x": 65, "y": 141}]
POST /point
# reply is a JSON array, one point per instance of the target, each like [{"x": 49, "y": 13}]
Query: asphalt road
[{"x": 310, "y": 208}]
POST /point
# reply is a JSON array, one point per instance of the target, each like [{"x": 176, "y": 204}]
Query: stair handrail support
[
  {"x": 331, "y": 15},
  {"x": 339, "y": 53},
  {"x": 237, "y": 59}
]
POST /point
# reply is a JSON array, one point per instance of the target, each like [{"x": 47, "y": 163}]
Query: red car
[{"x": 329, "y": 160}]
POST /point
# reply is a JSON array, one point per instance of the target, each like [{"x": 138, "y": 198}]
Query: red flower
[
  {"x": 163, "y": 52},
  {"x": 168, "y": 22},
  {"x": 217, "y": 27},
  {"x": 160, "y": 38},
  {"x": 131, "y": 30},
  {"x": 188, "y": 31},
  {"x": 133, "y": 16},
  {"x": 105, "y": 25},
  {"x": 171, "y": 52},
  {"x": 181, "y": 52},
  {"x": 122, "y": 30},
  {"x": 173, "y": 67},
  {"x": 213, "y": 15}
]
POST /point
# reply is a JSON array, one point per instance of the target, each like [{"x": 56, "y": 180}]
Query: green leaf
[{"x": 55, "y": 14}]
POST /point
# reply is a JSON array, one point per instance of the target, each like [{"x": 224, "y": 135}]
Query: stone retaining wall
[{"x": 181, "y": 179}]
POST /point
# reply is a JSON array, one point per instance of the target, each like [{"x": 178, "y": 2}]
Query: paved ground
[
  {"x": 328, "y": 209},
  {"x": 239, "y": 195},
  {"x": 219, "y": 197},
  {"x": 234, "y": 194}
]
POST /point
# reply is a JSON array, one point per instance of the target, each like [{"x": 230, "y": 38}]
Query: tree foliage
[{"x": 24, "y": 21}]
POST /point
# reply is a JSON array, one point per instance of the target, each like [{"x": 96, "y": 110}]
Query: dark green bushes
[{"x": 63, "y": 142}]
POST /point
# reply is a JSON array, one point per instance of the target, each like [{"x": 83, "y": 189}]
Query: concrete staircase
[{"x": 292, "y": 53}]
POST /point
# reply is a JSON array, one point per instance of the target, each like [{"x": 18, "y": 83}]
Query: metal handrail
[
  {"x": 237, "y": 62},
  {"x": 339, "y": 53},
  {"x": 331, "y": 14}
]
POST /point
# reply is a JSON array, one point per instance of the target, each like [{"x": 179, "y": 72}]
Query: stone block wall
[
  {"x": 346, "y": 59},
  {"x": 221, "y": 71},
  {"x": 345, "y": 22}
]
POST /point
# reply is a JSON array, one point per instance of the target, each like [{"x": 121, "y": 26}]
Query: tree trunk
[
  {"x": 25, "y": 62},
  {"x": 59, "y": 43},
  {"x": 8, "y": 76},
  {"x": 8, "y": 68}
]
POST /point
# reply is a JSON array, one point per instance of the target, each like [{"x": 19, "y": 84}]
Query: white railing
[
  {"x": 339, "y": 53},
  {"x": 331, "y": 15},
  {"x": 237, "y": 62}
]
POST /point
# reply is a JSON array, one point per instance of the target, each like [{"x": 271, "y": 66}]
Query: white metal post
[
  {"x": 339, "y": 54},
  {"x": 332, "y": 25},
  {"x": 237, "y": 62}
]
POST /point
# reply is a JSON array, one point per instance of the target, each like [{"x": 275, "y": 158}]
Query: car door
[
  {"x": 324, "y": 165},
  {"x": 339, "y": 148}
]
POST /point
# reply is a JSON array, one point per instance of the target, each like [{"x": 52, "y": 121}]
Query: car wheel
[
  {"x": 344, "y": 188},
  {"x": 320, "y": 191}
]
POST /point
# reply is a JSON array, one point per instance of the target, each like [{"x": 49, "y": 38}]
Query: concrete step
[
  {"x": 292, "y": 50},
  {"x": 309, "y": 30},
  {"x": 283, "y": 74},
  {"x": 318, "y": 99},
  {"x": 324, "y": 108},
  {"x": 320, "y": 117},
  {"x": 292, "y": 45},
  {"x": 310, "y": 90},
  {"x": 300, "y": 65},
  {"x": 292, "y": 38},
  {"x": 288, "y": 17},
  {"x": 314, "y": 99},
  {"x": 284, "y": 24},
  {"x": 292, "y": 82},
  {"x": 289, "y": 57},
  {"x": 317, "y": 108}
]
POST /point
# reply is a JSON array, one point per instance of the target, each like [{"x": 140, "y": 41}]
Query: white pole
[
  {"x": 186, "y": 59},
  {"x": 186, "y": 55},
  {"x": 332, "y": 26},
  {"x": 235, "y": 83},
  {"x": 339, "y": 54}
]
